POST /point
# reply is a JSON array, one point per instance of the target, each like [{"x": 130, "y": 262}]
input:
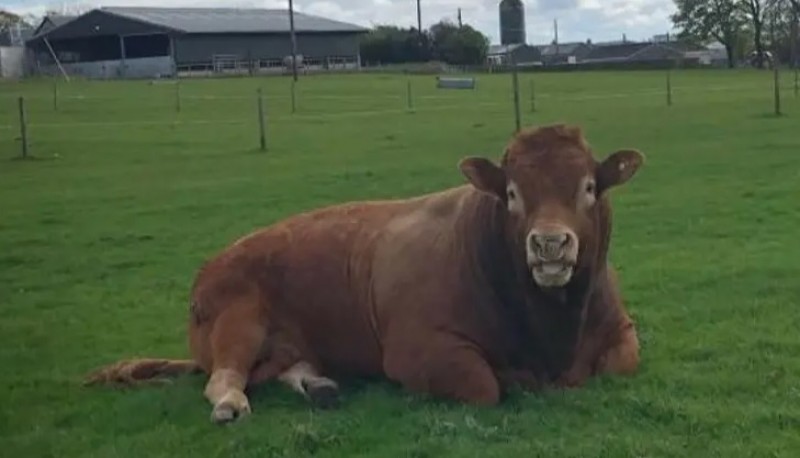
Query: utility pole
[
  {"x": 419, "y": 19},
  {"x": 294, "y": 39},
  {"x": 460, "y": 24},
  {"x": 555, "y": 30}
]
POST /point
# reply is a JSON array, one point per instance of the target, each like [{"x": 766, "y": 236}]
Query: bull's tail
[{"x": 139, "y": 371}]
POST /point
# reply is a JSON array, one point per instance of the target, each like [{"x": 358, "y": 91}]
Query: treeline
[
  {"x": 747, "y": 28},
  {"x": 446, "y": 42}
]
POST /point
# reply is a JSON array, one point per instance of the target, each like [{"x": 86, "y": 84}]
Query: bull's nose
[{"x": 550, "y": 245}]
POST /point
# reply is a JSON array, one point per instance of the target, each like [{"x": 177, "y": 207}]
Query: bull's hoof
[
  {"x": 230, "y": 408},
  {"x": 323, "y": 394}
]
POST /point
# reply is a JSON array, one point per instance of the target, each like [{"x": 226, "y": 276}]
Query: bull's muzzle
[{"x": 552, "y": 251}]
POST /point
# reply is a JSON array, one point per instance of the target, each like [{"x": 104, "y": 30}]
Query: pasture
[{"x": 101, "y": 236}]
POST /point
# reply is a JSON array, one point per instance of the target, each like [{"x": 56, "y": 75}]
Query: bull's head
[{"x": 555, "y": 192}]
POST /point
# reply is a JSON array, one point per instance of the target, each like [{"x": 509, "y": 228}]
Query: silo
[{"x": 512, "y": 22}]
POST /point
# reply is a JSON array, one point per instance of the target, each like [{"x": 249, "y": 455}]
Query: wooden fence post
[
  {"x": 23, "y": 128},
  {"x": 262, "y": 134},
  {"x": 515, "y": 82},
  {"x": 669, "y": 87}
]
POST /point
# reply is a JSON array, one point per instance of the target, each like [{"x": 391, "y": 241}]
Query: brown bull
[{"x": 457, "y": 294}]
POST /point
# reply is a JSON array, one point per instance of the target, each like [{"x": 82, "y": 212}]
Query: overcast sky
[{"x": 577, "y": 19}]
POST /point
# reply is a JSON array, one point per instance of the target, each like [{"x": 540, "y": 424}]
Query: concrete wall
[
  {"x": 147, "y": 67},
  {"x": 199, "y": 48},
  {"x": 12, "y": 62}
]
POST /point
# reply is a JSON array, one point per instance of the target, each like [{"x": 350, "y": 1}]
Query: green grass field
[{"x": 101, "y": 235}]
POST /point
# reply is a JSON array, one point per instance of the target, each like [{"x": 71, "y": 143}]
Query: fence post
[
  {"x": 409, "y": 99},
  {"x": 776, "y": 84},
  {"x": 23, "y": 128},
  {"x": 262, "y": 135},
  {"x": 533, "y": 95},
  {"x": 776, "y": 71},
  {"x": 515, "y": 81},
  {"x": 178, "y": 96},
  {"x": 669, "y": 87},
  {"x": 55, "y": 95},
  {"x": 294, "y": 98}
]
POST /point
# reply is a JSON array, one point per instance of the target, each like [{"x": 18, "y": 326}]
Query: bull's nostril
[{"x": 550, "y": 246}]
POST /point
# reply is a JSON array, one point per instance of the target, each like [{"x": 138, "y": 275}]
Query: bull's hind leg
[
  {"x": 321, "y": 391},
  {"x": 237, "y": 343},
  {"x": 289, "y": 362}
]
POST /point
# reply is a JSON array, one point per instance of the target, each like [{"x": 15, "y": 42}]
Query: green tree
[
  {"x": 704, "y": 20},
  {"x": 458, "y": 45},
  {"x": 390, "y": 44},
  {"x": 755, "y": 11}
]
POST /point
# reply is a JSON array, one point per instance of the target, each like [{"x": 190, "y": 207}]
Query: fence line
[
  {"x": 312, "y": 96},
  {"x": 336, "y": 115}
]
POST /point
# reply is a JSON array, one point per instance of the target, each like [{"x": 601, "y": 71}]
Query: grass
[{"x": 101, "y": 236}]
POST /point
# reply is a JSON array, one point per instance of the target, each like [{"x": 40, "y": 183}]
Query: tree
[
  {"x": 755, "y": 11},
  {"x": 444, "y": 41},
  {"x": 703, "y": 20},
  {"x": 390, "y": 44},
  {"x": 9, "y": 19},
  {"x": 458, "y": 45}
]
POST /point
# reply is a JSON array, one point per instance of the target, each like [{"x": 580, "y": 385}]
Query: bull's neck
[{"x": 546, "y": 325}]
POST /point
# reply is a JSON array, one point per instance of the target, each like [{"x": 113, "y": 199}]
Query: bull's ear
[
  {"x": 618, "y": 168},
  {"x": 484, "y": 175}
]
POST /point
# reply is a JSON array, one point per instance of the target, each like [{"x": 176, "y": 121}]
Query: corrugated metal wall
[{"x": 201, "y": 48}]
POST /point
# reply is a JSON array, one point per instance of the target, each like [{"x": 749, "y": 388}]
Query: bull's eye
[
  {"x": 511, "y": 194},
  {"x": 590, "y": 187}
]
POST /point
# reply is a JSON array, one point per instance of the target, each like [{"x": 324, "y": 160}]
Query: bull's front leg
[
  {"x": 446, "y": 367},
  {"x": 617, "y": 353}
]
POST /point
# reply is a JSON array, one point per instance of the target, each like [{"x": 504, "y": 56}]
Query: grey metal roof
[
  {"x": 502, "y": 49},
  {"x": 60, "y": 20},
  {"x": 230, "y": 20},
  {"x": 51, "y": 22}
]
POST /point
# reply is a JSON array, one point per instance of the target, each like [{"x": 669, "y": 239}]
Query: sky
[{"x": 578, "y": 20}]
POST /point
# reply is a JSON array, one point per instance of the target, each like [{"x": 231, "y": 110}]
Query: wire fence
[{"x": 32, "y": 111}]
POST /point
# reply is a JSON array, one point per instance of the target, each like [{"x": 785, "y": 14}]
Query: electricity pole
[
  {"x": 419, "y": 19},
  {"x": 294, "y": 39}
]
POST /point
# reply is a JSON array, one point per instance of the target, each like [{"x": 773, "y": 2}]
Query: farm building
[
  {"x": 122, "y": 42},
  {"x": 563, "y": 53},
  {"x": 12, "y": 50},
  {"x": 521, "y": 53},
  {"x": 631, "y": 52}
]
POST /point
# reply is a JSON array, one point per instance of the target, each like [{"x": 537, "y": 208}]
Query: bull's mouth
[{"x": 552, "y": 274}]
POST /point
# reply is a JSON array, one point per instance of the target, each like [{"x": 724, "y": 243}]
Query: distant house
[
  {"x": 522, "y": 54},
  {"x": 144, "y": 42},
  {"x": 564, "y": 53}
]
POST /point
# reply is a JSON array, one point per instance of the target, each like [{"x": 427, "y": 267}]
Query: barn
[{"x": 138, "y": 42}]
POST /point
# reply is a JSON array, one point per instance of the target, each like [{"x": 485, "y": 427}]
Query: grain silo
[{"x": 512, "y": 22}]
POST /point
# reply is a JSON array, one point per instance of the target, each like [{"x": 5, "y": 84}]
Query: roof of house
[
  {"x": 230, "y": 20},
  {"x": 615, "y": 51},
  {"x": 561, "y": 49},
  {"x": 503, "y": 49}
]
